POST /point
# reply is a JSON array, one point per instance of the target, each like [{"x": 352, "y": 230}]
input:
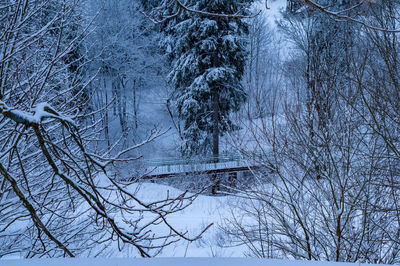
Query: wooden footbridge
[
  {"x": 225, "y": 170},
  {"x": 225, "y": 164}
]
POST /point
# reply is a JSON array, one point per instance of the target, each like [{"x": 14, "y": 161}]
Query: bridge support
[{"x": 216, "y": 184}]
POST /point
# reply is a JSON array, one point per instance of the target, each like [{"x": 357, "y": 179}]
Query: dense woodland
[{"x": 88, "y": 87}]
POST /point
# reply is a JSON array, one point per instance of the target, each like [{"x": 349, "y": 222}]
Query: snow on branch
[
  {"x": 40, "y": 112},
  {"x": 337, "y": 15},
  {"x": 155, "y": 18}
]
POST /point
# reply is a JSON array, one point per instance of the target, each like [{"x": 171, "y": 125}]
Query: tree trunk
[
  {"x": 215, "y": 109},
  {"x": 106, "y": 130},
  {"x": 215, "y": 114},
  {"x": 135, "y": 107}
]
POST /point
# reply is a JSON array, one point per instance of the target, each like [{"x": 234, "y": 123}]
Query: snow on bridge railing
[
  {"x": 194, "y": 160},
  {"x": 193, "y": 165}
]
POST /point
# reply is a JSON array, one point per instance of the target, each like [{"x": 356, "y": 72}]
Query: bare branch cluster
[
  {"x": 341, "y": 15},
  {"x": 58, "y": 196},
  {"x": 157, "y": 15},
  {"x": 327, "y": 186}
]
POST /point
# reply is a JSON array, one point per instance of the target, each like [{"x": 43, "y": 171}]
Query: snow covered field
[
  {"x": 204, "y": 211},
  {"x": 208, "y": 251},
  {"x": 169, "y": 262}
]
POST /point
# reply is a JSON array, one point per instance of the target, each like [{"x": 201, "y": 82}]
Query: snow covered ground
[
  {"x": 210, "y": 250},
  {"x": 204, "y": 211},
  {"x": 168, "y": 262}
]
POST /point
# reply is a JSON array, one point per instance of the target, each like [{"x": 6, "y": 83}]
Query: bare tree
[
  {"x": 346, "y": 214},
  {"x": 57, "y": 196},
  {"x": 346, "y": 208},
  {"x": 356, "y": 13}
]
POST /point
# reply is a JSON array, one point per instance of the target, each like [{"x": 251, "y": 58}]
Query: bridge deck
[{"x": 218, "y": 167}]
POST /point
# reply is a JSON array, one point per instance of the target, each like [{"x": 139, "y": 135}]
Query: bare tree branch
[{"x": 337, "y": 15}]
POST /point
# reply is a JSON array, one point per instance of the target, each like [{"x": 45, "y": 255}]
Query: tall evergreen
[{"x": 208, "y": 55}]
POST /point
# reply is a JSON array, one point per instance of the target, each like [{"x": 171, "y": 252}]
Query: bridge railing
[
  {"x": 186, "y": 165},
  {"x": 193, "y": 160}
]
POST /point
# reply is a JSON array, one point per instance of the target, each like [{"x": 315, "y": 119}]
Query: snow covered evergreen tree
[{"x": 208, "y": 55}]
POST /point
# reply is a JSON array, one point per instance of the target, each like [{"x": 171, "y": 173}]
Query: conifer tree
[{"x": 208, "y": 56}]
